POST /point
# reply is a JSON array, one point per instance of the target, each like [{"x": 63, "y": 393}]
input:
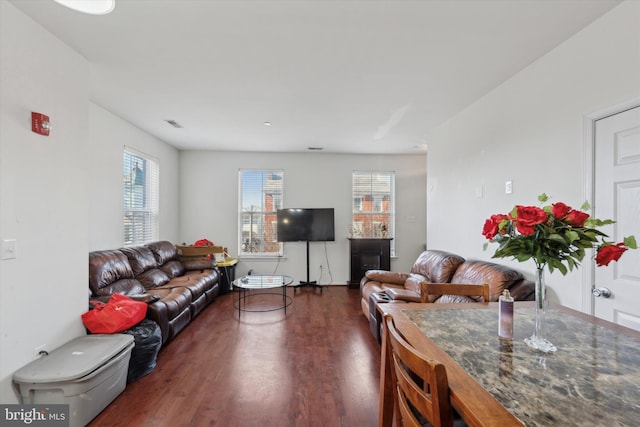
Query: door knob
[{"x": 601, "y": 292}]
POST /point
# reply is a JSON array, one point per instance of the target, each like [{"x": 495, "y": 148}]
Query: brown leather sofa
[
  {"x": 179, "y": 290},
  {"x": 435, "y": 266}
]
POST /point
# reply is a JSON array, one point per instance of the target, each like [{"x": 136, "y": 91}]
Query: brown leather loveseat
[
  {"x": 435, "y": 266},
  {"x": 182, "y": 289}
]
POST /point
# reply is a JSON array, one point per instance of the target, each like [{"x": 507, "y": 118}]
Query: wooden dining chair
[
  {"x": 469, "y": 290},
  {"x": 421, "y": 388}
]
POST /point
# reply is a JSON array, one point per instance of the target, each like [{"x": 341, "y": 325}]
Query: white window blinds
[
  {"x": 373, "y": 205},
  {"x": 140, "y": 203},
  {"x": 260, "y": 197}
]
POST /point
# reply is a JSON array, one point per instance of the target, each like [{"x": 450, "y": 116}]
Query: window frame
[
  {"x": 267, "y": 216},
  {"x": 376, "y": 199},
  {"x": 140, "y": 218}
]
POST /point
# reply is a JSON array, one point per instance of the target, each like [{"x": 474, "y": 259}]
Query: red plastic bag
[
  {"x": 203, "y": 242},
  {"x": 117, "y": 315}
]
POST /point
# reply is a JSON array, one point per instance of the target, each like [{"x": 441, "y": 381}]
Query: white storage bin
[{"x": 86, "y": 373}]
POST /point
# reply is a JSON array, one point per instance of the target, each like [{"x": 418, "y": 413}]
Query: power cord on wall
[{"x": 326, "y": 257}]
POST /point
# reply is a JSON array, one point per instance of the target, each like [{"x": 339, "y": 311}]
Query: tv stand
[{"x": 308, "y": 282}]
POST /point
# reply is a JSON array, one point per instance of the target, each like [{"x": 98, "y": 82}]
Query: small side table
[{"x": 227, "y": 274}]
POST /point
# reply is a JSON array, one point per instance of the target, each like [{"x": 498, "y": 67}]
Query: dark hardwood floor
[{"x": 318, "y": 365}]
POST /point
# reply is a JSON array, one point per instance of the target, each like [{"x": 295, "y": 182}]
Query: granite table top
[{"x": 593, "y": 378}]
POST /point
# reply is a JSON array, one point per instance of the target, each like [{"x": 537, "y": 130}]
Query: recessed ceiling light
[
  {"x": 267, "y": 123},
  {"x": 174, "y": 124},
  {"x": 315, "y": 148},
  {"x": 93, "y": 7}
]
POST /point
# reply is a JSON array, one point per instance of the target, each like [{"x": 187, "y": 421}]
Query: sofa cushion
[
  {"x": 174, "y": 300},
  {"x": 497, "y": 276},
  {"x": 173, "y": 269},
  {"x": 143, "y": 264},
  {"x": 140, "y": 258},
  {"x": 455, "y": 299},
  {"x": 437, "y": 266},
  {"x": 163, "y": 251},
  {"x": 110, "y": 272},
  {"x": 153, "y": 278}
]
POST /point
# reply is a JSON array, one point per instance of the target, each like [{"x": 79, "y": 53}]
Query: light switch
[
  {"x": 9, "y": 249},
  {"x": 508, "y": 187}
]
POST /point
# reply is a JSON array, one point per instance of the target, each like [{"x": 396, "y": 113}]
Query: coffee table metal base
[
  {"x": 253, "y": 286},
  {"x": 244, "y": 294}
]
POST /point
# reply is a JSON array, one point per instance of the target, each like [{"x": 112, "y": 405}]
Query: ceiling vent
[
  {"x": 315, "y": 148},
  {"x": 174, "y": 124}
]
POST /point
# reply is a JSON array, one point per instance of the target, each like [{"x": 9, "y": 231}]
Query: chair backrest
[
  {"x": 469, "y": 290},
  {"x": 421, "y": 388}
]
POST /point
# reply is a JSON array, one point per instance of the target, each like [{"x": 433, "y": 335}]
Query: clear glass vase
[{"x": 539, "y": 340}]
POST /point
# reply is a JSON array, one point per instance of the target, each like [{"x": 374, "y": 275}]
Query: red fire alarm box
[{"x": 40, "y": 124}]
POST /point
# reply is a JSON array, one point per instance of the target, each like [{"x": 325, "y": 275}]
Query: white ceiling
[{"x": 368, "y": 76}]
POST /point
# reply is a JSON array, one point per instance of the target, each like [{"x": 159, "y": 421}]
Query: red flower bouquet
[{"x": 554, "y": 235}]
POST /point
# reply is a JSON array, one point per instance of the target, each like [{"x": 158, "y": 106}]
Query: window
[
  {"x": 141, "y": 188},
  {"x": 373, "y": 205},
  {"x": 260, "y": 198}
]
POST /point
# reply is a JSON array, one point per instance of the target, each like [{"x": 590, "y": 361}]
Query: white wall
[
  {"x": 209, "y": 204},
  {"x": 43, "y": 192},
  {"x": 60, "y": 196},
  {"x": 530, "y": 130},
  {"x": 109, "y": 135}
]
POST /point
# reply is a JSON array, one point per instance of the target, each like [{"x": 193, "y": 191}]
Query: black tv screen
[{"x": 299, "y": 225}]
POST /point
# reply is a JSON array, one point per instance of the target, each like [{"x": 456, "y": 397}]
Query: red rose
[
  {"x": 560, "y": 210},
  {"x": 492, "y": 225},
  {"x": 528, "y": 218},
  {"x": 609, "y": 253},
  {"x": 576, "y": 218}
]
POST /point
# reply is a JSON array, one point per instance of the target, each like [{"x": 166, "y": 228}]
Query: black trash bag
[{"x": 148, "y": 340}]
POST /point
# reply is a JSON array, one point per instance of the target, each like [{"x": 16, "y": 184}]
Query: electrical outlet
[
  {"x": 9, "y": 249},
  {"x": 39, "y": 351}
]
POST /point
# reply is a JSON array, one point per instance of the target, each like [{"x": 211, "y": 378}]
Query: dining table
[{"x": 592, "y": 379}]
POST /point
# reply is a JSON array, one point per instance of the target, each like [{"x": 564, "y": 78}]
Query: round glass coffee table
[{"x": 257, "y": 282}]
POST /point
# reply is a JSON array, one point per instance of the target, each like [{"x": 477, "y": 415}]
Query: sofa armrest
[
  {"x": 384, "y": 276},
  {"x": 402, "y": 295},
  {"x": 148, "y": 298},
  {"x": 199, "y": 264}
]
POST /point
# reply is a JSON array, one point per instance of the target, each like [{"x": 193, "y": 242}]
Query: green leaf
[
  {"x": 514, "y": 212},
  {"x": 585, "y": 206},
  {"x": 554, "y": 263},
  {"x": 485, "y": 246},
  {"x": 572, "y": 236},
  {"x": 557, "y": 238},
  {"x": 630, "y": 242},
  {"x": 595, "y": 222},
  {"x": 543, "y": 198}
]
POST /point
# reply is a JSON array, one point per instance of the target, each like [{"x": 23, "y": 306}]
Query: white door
[{"x": 617, "y": 197}]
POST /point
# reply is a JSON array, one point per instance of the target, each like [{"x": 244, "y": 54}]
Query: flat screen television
[{"x": 310, "y": 225}]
